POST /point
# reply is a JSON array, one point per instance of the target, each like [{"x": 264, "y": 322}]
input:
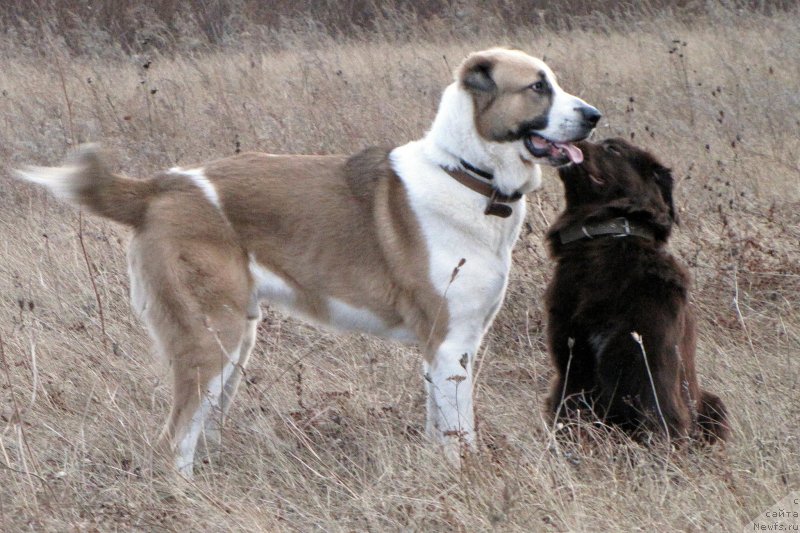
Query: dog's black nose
[{"x": 590, "y": 114}]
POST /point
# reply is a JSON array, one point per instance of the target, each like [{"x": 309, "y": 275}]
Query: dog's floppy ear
[
  {"x": 475, "y": 74},
  {"x": 663, "y": 177}
]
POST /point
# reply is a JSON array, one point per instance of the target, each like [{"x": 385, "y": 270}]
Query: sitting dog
[
  {"x": 617, "y": 295},
  {"x": 411, "y": 243}
]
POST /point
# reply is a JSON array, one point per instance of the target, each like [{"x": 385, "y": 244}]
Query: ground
[{"x": 326, "y": 433}]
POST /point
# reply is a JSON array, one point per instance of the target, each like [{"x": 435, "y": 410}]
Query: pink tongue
[{"x": 573, "y": 152}]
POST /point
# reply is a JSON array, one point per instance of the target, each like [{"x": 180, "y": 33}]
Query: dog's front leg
[{"x": 448, "y": 376}]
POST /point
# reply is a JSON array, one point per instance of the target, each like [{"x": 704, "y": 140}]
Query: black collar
[
  {"x": 485, "y": 174},
  {"x": 498, "y": 202},
  {"x": 616, "y": 227}
]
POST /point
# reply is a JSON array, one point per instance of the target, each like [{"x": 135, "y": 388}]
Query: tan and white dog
[{"x": 412, "y": 244}]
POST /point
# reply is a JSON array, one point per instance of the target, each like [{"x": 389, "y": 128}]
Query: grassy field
[{"x": 326, "y": 433}]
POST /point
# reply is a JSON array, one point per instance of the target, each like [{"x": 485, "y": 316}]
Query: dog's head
[
  {"x": 517, "y": 98},
  {"x": 506, "y": 112},
  {"x": 616, "y": 178}
]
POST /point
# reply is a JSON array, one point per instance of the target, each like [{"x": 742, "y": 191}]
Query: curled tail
[
  {"x": 712, "y": 417},
  {"x": 85, "y": 180}
]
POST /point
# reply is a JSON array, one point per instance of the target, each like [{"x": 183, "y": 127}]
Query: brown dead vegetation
[{"x": 327, "y": 430}]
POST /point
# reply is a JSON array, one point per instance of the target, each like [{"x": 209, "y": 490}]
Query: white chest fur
[{"x": 454, "y": 228}]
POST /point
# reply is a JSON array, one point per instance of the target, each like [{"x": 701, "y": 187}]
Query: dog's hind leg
[
  {"x": 198, "y": 397},
  {"x": 204, "y": 359},
  {"x": 194, "y": 298},
  {"x": 214, "y": 424},
  {"x": 232, "y": 384},
  {"x": 203, "y": 366}
]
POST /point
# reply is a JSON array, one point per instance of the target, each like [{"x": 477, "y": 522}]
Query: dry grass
[{"x": 326, "y": 432}]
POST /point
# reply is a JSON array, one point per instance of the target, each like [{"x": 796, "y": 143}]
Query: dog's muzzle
[{"x": 563, "y": 152}]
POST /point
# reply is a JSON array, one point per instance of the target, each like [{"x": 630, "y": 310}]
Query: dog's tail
[
  {"x": 712, "y": 417},
  {"x": 85, "y": 180}
]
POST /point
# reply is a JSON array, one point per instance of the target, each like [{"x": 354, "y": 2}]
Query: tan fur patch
[
  {"x": 307, "y": 218},
  {"x": 499, "y": 82}
]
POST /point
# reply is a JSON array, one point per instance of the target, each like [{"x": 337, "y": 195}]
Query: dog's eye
[
  {"x": 612, "y": 149},
  {"x": 538, "y": 87}
]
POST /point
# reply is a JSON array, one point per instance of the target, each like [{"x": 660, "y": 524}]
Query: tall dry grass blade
[
  {"x": 570, "y": 345},
  {"x": 638, "y": 339},
  {"x": 91, "y": 279}
]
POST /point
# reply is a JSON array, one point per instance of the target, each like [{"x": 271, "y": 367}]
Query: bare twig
[
  {"x": 91, "y": 278},
  {"x": 27, "y": 473},
  {"x": 570, "y": 345},
  {"x": 62, "y": 79},
  {"x": 739, "y": 314},
  {"x": 34, "y": 375},
  {"x": 638, "y": 339},
  {"x": 541, "y": 211},
  {"x": 453, "y": 277}
]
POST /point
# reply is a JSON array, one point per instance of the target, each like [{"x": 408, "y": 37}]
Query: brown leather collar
[
  {"x": 616, "y": 227},
  {"x": 497, "y": 201}
]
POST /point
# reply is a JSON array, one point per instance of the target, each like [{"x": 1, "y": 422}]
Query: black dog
[{"x": 617, "y": 294}]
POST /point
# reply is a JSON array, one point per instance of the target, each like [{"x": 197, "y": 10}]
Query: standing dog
[
  {"x": 614, "y": 277},
  {"x": 412, "y": 244}
]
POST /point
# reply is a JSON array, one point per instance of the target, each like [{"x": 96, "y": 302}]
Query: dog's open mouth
[{"x": 556, "y": 151}]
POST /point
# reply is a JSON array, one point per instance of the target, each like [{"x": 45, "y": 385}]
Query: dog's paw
[
  {"x": 209, "y": 441},
  {"x": 456, "y": 446}
]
